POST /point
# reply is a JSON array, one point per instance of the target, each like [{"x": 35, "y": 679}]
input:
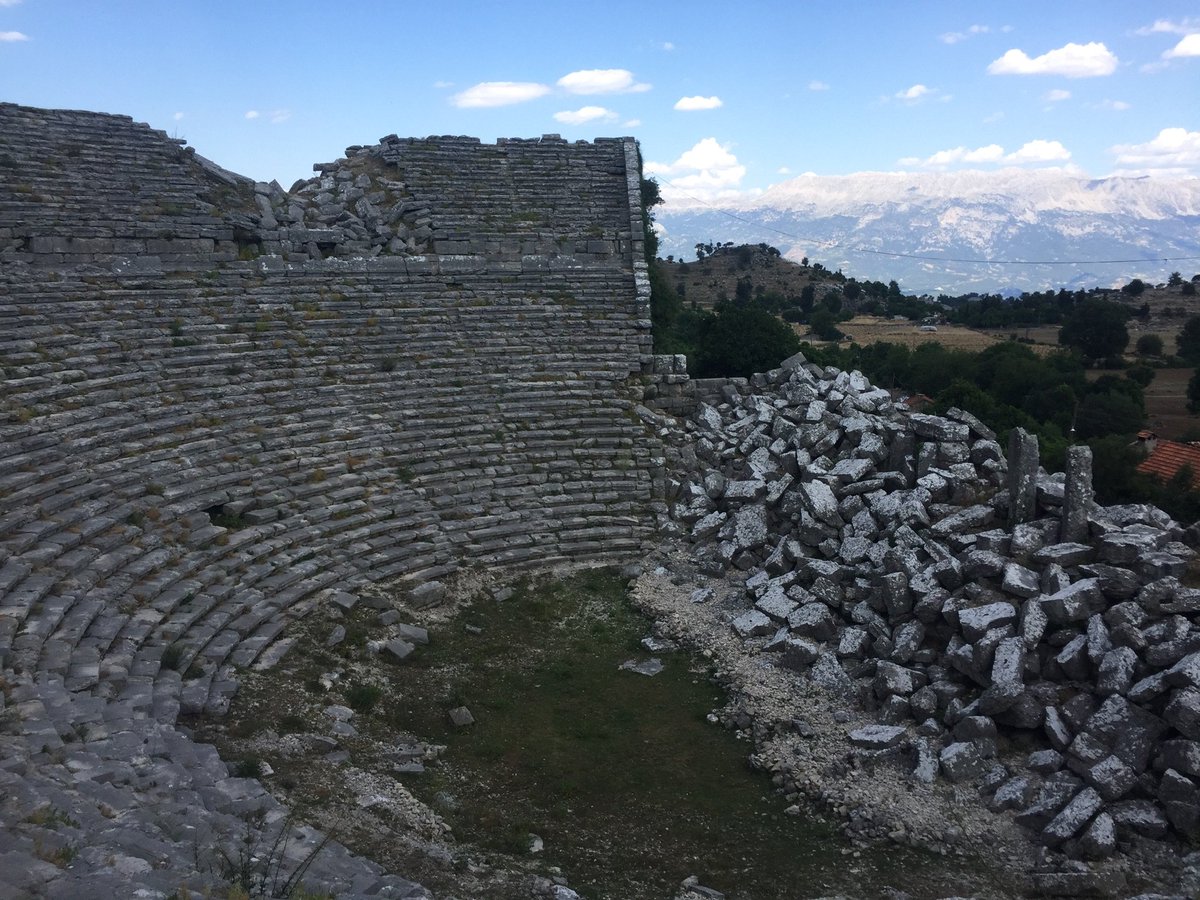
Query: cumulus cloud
[
  {"x": 585, "y": 114},
  {"x": 498, "y": 93},
  {"x": 668, "y": 46},
  {"x": 815, "y": 85},
  {"x": 601, "y": 81},
  {"x": 918, "y": 93},
  {"x": 1174, "y": 150},
  {"x": 1057, "y": 95},
  {"x": 955, "y": 156},
  {"x": 11, "y": 37},
  {"x": 913, "y": 94},
  {"x": 1187, "y": 46},
  {"x": 707, "y": 171},
  {"x": 954, "y": 37},
  {"x": 178, "y": 117},
  {"x": 1071, "y": 60},
  {"x": 691, "y": 104},
  {"x": 252, "y": 114},
  {"x": 1038, "y": 151}
]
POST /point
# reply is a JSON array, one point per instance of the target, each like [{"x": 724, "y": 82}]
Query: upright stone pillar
[
  {"x": 1022, "y": 476},
  {"x": 1077, "y": 495}
]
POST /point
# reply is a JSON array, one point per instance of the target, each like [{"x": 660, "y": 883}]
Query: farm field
[
  {"x": 865, "y": 330},
  {"x": 1166, "y": 404}
]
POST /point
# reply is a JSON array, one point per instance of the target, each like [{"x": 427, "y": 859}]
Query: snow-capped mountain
[{"x": 1040, "y": 229}]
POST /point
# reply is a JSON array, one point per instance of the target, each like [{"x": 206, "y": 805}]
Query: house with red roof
[{"x": 1168, "y": 457}]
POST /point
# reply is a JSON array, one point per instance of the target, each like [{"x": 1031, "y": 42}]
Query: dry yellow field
[{"x": 865, "y": 330}]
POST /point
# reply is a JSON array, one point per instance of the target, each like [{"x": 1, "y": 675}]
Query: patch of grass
[
  {"x": 363, "y": 697},
  {"x": 50, "y": 817},
  {"x": 292, "y": 724},
  {"x": 172, "y": 657},
  {"x": 250, "y": 767}
]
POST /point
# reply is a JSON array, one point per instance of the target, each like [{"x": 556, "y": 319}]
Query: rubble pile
[{"x": 999, "y": 627}]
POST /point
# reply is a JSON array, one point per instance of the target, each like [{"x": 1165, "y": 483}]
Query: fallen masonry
[{"x": 991, "y": 625}]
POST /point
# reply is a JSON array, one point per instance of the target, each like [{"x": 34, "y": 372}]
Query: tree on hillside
[
  {"x": 1096, "y": 328},
  {"x": 1175, "y": 280},
  {"x": 1149, "y": 345},
  {"x": 1187, "y": 341},
  {"x": 824, "y": 325},
  {"x": 739, "y": 341},
  {"x": 1134, "y": 288}
]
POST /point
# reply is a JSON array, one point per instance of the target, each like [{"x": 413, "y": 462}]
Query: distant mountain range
[{"x": 1045, "y": 220}]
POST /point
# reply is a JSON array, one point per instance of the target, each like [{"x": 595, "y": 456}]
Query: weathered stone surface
[
  {"x": 961, "y": 761},
  {"x": 877, "y": 737},
  {"x": 1022, "y": 475},
  {"x": 1074, "y": 816}
]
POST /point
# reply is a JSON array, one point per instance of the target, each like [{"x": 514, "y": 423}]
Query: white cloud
[
  {"x": 783, "y": 170},
  {"x": 1039, "y": 151},
  {"x": 993, "y": 118},
  {"x": 957, "y": 155},
  {"x": 914, "y": 93},
  {"x": 585, "y": 114},
  {"x": 9, "y": 2},
  {"x": 1173, "y": 149},
  {"x": 1165, "y": 26},
  {"x": 442, "y": 85},
  {"x": 690, "y": 104},
  {"x": 668, "y": 46},
  {"x": 1117, "y": 105},
  {"x": 815, "y": 85},
  {"x": 498, "y": 93},
  {"x": 178, "y": 117},
  {"x": 601, "y": 81},
  {"x": 275, "y": 116},
  {"x": 919, "y": 93},
  {"x": 1071, "y": 60},
  {"x": 631, "y": 123},
  {"x": 1187, "y": 46},
  {"x": 707, "y": 171},
  {"x": 1057, "y": 95},
  {"x": 954, "y": 37},
  {"x": 11, "y": 37}
]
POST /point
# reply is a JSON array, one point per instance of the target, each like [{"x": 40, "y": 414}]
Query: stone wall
[{"x": 223, "y": 403}]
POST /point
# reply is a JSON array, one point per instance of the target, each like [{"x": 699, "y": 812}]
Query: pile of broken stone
[{"x": 972, "y": 604}]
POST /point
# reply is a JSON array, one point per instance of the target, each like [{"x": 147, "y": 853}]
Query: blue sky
[{"x": 723, "y": 98}]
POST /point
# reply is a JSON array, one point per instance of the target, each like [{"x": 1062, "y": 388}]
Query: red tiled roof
[{"x": 1171, "y": 456}]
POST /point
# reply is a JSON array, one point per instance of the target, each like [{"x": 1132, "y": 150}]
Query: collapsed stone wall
[
  {"x": 994, "y": 626},
  {"x": 223, "y": 403}
]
